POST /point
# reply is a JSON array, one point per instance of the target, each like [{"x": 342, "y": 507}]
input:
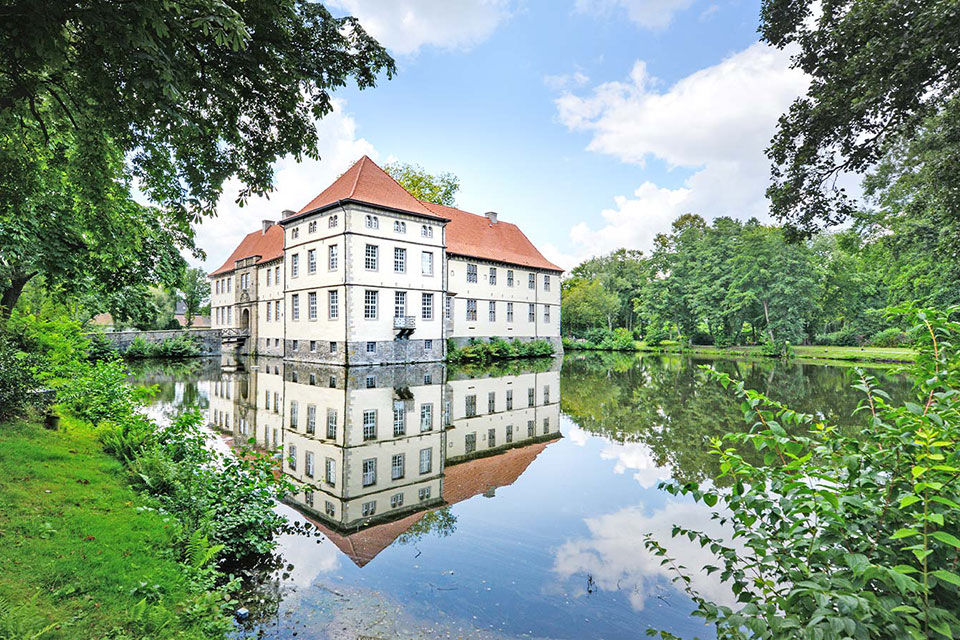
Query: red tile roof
[
  {"x": 366, "y": 182},
  {"x": 268, "y": 245},
  {"x": 475, "y": 236}
]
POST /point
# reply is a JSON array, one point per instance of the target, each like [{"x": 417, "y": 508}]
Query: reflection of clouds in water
[
  {"x": 636, "y": 457},
  {"x": 615, "y": 557},
  {"x": 574, "y": 433},
  {"x": 308, "y": 558}
]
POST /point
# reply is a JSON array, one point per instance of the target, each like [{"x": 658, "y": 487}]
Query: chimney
[
  {"x": 287, "y": 213},
  {"x": 491, "y": 216},
  {"x": 267, "y": 224}
]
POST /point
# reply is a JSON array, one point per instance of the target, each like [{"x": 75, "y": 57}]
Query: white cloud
[
  {"x": 651, "y": 14},
  {"x": 614, "y": 555},
  {"x": 403, "y": 26},
  {"x": 565, "y": 80},
  {"x": 295, "y": 185},
  {"x": 716, "y": 122}
]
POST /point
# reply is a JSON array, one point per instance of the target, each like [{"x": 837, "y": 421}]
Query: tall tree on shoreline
[
  {"x": 175, "y": 98},
  {"x": 438, "y": 188}
]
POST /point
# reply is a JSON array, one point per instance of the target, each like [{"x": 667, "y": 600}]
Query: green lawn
[
  {"x": 79, "y": 552},
  {"x": 847, "y": 354}
]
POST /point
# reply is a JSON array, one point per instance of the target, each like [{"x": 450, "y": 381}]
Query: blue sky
[{"x": 590, "y": 123}]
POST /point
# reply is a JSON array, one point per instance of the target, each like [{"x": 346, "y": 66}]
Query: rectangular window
[
  {"x": 532, "y": 281},
  {"x": 308, "y": 465},
  {"x": 509, "y": 312},
  {"x": 509, "y": 437},
  {"x": 312, "y": 227},
  {"x": 426, "y": 231},
  {"x": 426, "y": 460},
  {"x": 308, "y": 497},
  {"x": 470, "y": 443},
  {"x": 333, "y": 349},
  {"x": 448, "y": 307},
  {"x": 311, "y": 419},
  {"x": 509, "y": 399},
  {"x": 531, "y": 397},
  {"x": 372, "y": 222},
  {"x": 312, "y": 261},
  {"x": 426, "y": 306},
  {"x": 328, "y": 507},
  {"x": 276, "y": 402},
  {"x": 330, "y": 471},
  {"x": 369, "y": 472},
  {"x": 396, "y": 500},
  {"x": 399, "y": 260},
  {"x": 268, "y": 277},
  {"x": 312, "y": 305},
  {"x": 546, "y": 313},
  {"x": 471, "y": 273},
  {"x": 333, "y": 257},
  {"x": 276, "y": 274},
  {"x": 471, "y": 309},
  {"x": 370, "y": 305},
  {"x": 269, "y": 308},
  {"x": 332, "y": 221},
  {"x": 546, "y": 282},
  {"x": 426, "y": 417},
  {"x": 492, "y": 402},
  {"x": 369, "y": 508},
  {"x": 492, "y": 306},
  {"x": 532, "y": 313},
  {"x": 229, "y": 315},
  {"x": 399, "y": 422},
  {"x": 546, "y": 426},
  {"x": 399, "y": 226},
  {"x": 370, "y": 424},
  {"x": 332, "y": 424},
  {"x": 426, "y": 263},
  {"x": 295, "y": 233},
  {"x": 333, "y": 304},
  {"x": 292, "y": 457},
  {"x": 493, "y": 275},
  {"x": 399, "y": 304},
  {"x": 509, "y": 277},
  {"x": 294, "y": 414},
  {"x": 530, "y": 427},
  {"x": 546, "y": 395},
  {"x": 295, "y": 265},
  {"x": 470, "y": 405},
  {"x": 371, "y": 347},
  {"x": 428, "y": 346},
  {"x": 295, "y": 306},
  {"x": 491, "y": 438},
  {"x": 229, "y": 285},
  {"x": 370, "y": 257},
  {"x": 397, "y": 464},
  {"x": 424, "y": 493}
]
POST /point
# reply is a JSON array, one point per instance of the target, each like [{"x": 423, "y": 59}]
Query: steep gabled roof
[
  {"x": 266, "y": 244},
  {"x": 366, "y": 182},
  {"x": 476, "y": 236}
]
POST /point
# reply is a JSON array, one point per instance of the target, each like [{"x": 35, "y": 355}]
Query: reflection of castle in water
[{"x": 377, "y": 448}]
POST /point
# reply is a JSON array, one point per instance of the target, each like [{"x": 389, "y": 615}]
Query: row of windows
[
  {"x": 368, "y": 508},
  {"x": 369, "y": 419},
  {"x": 492, "y": 311},
  {"x": 223, "y": 285},
  {"x": 312, "y": 226},
  {"x": 399, "y": 226},
  {"x": 223, "y": 315},
  {"x": 470, "y": 439},
  {"x": 470, "y": 401},
  {"x": 492, "y": 278},
  {"x": 333, "y": 261},
  {"x": 398, "y": 466}
]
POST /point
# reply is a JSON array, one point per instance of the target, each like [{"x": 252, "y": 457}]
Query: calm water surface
[{"x": 527, "y": 516}]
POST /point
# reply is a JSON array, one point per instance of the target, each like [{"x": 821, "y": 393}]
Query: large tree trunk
[{"x": 12, "y": 293}]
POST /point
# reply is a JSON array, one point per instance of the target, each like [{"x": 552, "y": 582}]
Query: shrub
[
  {"x": 655, "y": 336},
  {"x": 891, "y": 337},
  {"x": 100, "y": 392},
  {"x": 848, "y": 337},
  {"x": 701, "y": 338},
  {"x": 181, "y": 346},
  {"x": 101, "y": 348},
  {"x": 57, "y": 346},
  {"x": 838, "y": 534},
  {"x": 497, "y": 349},
  {"x": 17, "y": 380},
  {"x": 139, "y": 348},
  {"x": 597, "y": 335}
]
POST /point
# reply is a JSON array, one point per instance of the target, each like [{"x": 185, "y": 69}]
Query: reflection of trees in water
[
  {"x": 440, "y": 523},
  {"x": 669, "y": 406}
]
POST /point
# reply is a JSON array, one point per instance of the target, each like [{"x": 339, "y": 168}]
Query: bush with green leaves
[
  {"x": 890, "y": 337},
  {"x": 17, "y": 380},
  {"x": 57, "y": 345},
  {"x": 181, "y": 346},
  {"x": 840, "y": 534},
  {"x": 100, "y": 392},
  {"x": 848, "y": 337},
  {"x": 478, "y": 352}
]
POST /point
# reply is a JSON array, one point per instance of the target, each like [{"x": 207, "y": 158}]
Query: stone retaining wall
[{"x": 209, "y": 338}]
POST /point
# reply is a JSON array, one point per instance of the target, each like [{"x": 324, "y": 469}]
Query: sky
[{"x": 592, "y": 124}]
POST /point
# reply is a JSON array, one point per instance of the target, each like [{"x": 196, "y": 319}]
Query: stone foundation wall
[
  {"x": 209, "y": 338},
  {"x": 554, "y": 340}
]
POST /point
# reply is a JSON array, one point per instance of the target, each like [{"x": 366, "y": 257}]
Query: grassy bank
[
  {"x": 82, "y": 551},
  {"x": 846, "y": 354}
]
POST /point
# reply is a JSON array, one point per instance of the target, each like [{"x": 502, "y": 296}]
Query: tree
[
  {"x": 586, "y": 304},
  {"x": 623, "y": 273},
  {"x": 195, "y": 292},
  {"x": 879, "y": 72},
  {"x": 179, "y": 96},
  {"x": 440, "y": 188}
]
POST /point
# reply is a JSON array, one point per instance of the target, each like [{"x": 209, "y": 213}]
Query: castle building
[{"x": 366, "y": 273}]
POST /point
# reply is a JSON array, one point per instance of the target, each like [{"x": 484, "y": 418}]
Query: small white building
[{"x": 365, "y": 273}]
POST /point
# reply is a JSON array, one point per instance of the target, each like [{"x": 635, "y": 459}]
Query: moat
[{"x": 509, "y": 502}]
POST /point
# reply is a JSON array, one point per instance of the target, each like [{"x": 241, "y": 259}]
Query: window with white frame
[
  {"x": 424, "y": 493},
  {"x": 312, "y": 227},
  {"x": 329, "y": 508},
  {"x": 269, "y": 272},
  {"x": 546, "y": 282},
  {"x": 332, "y": 221},
  {"x": 312, "y": 305},
  {"x": 276, "y": 274},
  {"x": 546, "y": 395},
  {"x": 532, "y": 281},
  {"x": 509, "y": 312},
  {"x": 509, "y": 434},
  {"x": 426, "y": 231},
  {"x": 396, "y": 500},
  {"x": 397, "y": 466},
  {"x": 295, "y": 233},
  {"x": 509, "y": 277},
  {"x": 470, "y": 405},
  {"x": 546, "y": 426},
  {"x": 491, "y": 438},
  {"x": 295, "y": 265},
  {"x": 426, "y": 263},
  {"x": 269, "y": 309},
  {"x": 229, "y": 285},
  {"x": 471, "y": 309},
  {"x": 370, "y": 257},
  {"x": 312, "y": 261},
  {"x": 492, "y": 311},
  {"x": 531, "y": 397},
  {"x": 295, "y": 306},
  {"x": 426, "y": 460},
  {"x": 532, "y": 313},
  {"x": 294, "y": 414},
  {"x": 399, "y": 226},
  {"x": 471, "y": 273},
  {"x": 308, "y": 464},
  {"x": 368, "y": 508},
  {"x": 399, "y": 304},
  {"x": 333, "y": 257},
  {"x": 371, "y": 348},
  {"x": 426, "y": 306},
  {"x": 333, "y": 304},
  {"x": 331, "y": 424},
  {"x": 493, "y": 275},
  {"x": 448, "y": 307},
  {"x": 369, "y": 472},
  {"x": 399, "y": 422},
  {"x": 330, "y": 471},
  {"x": 370, "y": 424},
  {"x": 546, "y": 313},
  {"x": 292, "y": 456},
  {"x": 509, "y": 395},
  {"x": 470, "y": 442},
  {"x": 311, "y": 419},
  {"x": 530, "y": 428},
  {"x": 372, "y": 222},
  {"x": 428, "y": 346},
  {"x": 370, "y": 300},
  {"x": 229, "y": 315},
  {"x": 399, "y": 260},
  {"x": 426, "y": 417}
]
